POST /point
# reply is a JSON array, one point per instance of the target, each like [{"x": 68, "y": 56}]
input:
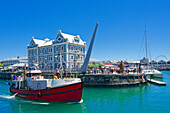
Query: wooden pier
[{"x": 156, "y": 82}]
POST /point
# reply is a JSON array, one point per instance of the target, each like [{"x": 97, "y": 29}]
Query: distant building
[
  {"x": 12, "y": 61},
  {"x": 131, "y": 62},
  {"x": 162, "y": 62},
  {"x": 93, "y": 61},
  {"x": 114, "y": 62},
  {"x": 49, "y": 54},
  {"x": 144, "y": 61},
  {"x": 117, "y": 62},
  {"x": 153, "y": 62},
  {"x": 168, "y": 62}
]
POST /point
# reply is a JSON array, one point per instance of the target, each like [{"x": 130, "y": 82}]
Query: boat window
[
  {"x": 28, "y": 74},
  {"x": 38, "y": 86}
]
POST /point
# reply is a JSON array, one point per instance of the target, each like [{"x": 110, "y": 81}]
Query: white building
[
  {"x": 94, "y": 61},
  {"x": 66, "y": 50},
  {"x": 12, "y": 61}
]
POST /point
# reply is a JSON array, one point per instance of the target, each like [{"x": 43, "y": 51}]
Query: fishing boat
[{"x": 34, "y": 86}]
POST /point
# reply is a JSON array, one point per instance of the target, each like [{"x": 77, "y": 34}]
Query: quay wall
[{"x": 113, "y": 79}]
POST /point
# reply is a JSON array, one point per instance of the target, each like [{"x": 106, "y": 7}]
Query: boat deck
[{"x": 156, "y": 82}]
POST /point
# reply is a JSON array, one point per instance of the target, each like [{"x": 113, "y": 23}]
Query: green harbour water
[{"x": 147, "y": 98}]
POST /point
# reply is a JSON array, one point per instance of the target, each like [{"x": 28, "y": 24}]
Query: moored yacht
[{"x": 152, "y": 73}]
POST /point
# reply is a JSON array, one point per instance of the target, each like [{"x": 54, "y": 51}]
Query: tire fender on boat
[{"x": 39, "y": 95}]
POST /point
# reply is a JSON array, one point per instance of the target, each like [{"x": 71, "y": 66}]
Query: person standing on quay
[{"x": 121, "y": 66}]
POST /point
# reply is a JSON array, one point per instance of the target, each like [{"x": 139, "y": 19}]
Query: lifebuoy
[{"x": 39, "y": 95}]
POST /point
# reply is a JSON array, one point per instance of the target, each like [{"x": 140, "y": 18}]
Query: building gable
[
  {"x": 32, "y": 43},
  {"x": 59, "y": 38}
]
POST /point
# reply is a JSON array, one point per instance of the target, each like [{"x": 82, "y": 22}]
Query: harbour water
[{"x": 146, "y": 98}]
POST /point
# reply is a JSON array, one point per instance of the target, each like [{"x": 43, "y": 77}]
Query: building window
[
  {"x": 40, "y": 59},
  {"x": 62, "y": 57},
  {"x": 81, "y": 50},
  {"x": 77, "y": 49},
  {"x": 50, "y": 58},
  {"x": 56, "y": 58},
  {"x": 34, "y": 51},
  {"x": 71, "y": 48},
  {"x": 62, "y": 48},
  {"x": 50, "y": 50},
  {"x": 81, "y": 58},
  {"x": 56, "y": 49},
  {"x": 58, "y": 65},
  {"x": 72, "y": 57},
  {"x": 78, "y": 56},
  {"x": 41, "y": 51},
  {"x": 59, "y": 39},
  {"x": 35, "y": 59},
  {"x": 45, "y": 51}
]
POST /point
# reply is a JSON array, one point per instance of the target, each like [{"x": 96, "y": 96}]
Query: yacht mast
[
  {"x": 146, "y": 40},
  {"x": 147, "y": 45}
]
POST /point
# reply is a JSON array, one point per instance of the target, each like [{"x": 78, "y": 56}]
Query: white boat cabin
[{"x": 35, "y": 81}]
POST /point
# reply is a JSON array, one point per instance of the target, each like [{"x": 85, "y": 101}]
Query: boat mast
[
  {"x": 147, "y": 45},
  {"x": 146, "y": 40}
]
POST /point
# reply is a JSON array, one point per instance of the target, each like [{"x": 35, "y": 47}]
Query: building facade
[
  {"x": 12, "y": 61},
  {"x": 65, "y": 50},
  {"x": 144, "y": 61}
]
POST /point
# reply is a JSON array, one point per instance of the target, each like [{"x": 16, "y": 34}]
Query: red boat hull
[{"x": 71, "y": 92}]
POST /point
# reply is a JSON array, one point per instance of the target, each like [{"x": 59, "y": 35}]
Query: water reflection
[
  {"x": 98, "y": 98},
  {"x": 24, "y": 105}
]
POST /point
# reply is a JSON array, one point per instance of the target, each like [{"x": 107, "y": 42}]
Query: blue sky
[{"x": 120, "y": 31}]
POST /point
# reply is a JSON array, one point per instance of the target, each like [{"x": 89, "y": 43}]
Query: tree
[
  {"x": 1, "y": 65},
  {"x": 99, "y": 64}
]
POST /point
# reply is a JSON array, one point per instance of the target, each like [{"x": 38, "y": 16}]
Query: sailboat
[
  {"x": 149, "y": 71},
  {"x": 34, "y": 86}
]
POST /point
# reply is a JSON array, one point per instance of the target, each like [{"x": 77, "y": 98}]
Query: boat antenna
[{"x": 83, "y": 68}]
